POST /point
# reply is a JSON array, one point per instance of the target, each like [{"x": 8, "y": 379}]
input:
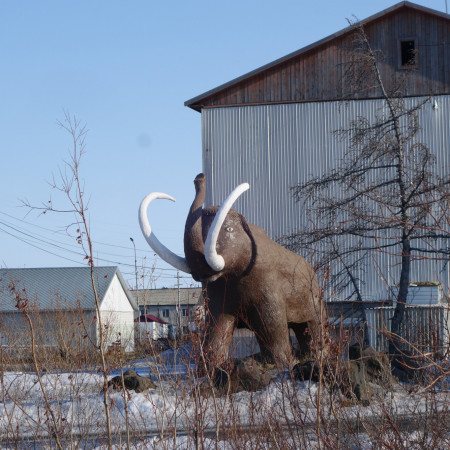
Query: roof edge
[
  {"x": 192, "y": 103},
  {"x": 125, "y": 289}
]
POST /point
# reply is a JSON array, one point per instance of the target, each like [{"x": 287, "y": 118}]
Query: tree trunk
[{"x": 395, "y": 343}]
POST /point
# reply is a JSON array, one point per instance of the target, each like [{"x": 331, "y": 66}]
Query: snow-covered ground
[{"x": 284, "y": 413}]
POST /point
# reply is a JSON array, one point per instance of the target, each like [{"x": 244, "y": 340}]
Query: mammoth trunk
[
  {"x": 193, "y": 235},
  {"x": 201, "y": 236},
  {"x": 202, "y": 259}
]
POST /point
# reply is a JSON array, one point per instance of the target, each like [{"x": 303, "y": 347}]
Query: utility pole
[
  {"x": 178, "y": 284},
  {"x": 178, "y": 303},
  {"x": 135, "y": 263},
  {"x": 136, "y": 275}
]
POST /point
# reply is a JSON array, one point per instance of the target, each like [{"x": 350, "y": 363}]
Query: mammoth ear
[{"x": 249, "y": 233}]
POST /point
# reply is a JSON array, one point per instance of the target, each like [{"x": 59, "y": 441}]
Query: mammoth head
[{"x": 213, "y": 237}]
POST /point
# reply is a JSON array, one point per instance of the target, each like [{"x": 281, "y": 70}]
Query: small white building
[
  {"x": 151, "y": 327},
  {"x": 62, "y": 306}
]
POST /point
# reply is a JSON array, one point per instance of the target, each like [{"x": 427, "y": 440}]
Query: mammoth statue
[{"x": 249, "y": 280}]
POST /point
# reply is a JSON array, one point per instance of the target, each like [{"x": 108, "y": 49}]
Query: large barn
[{"x": 273, "y": 127}]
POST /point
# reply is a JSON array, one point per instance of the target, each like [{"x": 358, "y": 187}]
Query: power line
[
  {"x": 39, "y": 248},
  {"x": 58, "y": 246},
  {"x": 36, "y": 238},
  {"x": 65, "y": 234},
  {"x": 42, "y": 240},
  {"x": 157, "y": 276},
  {"x": 83, "y": 255}
]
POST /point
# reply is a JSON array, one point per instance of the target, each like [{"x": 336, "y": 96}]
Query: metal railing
[{"x": 425, "y": 329}]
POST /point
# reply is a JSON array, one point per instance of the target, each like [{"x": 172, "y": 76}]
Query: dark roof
[
  {"x": 150, "y": 318},
  {"x": 54, "y": 288},
  {"x": 196, "y": 102}
]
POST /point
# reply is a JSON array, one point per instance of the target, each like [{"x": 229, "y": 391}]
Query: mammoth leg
[
  {"x": 275, "y": 347},
  {"x": 303, "y": 337},
  {"x": 272, "y": 333},
  {"x": 220, "y": 332}
]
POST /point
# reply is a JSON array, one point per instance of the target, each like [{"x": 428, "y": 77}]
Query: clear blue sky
[{"x": 125, "y": 68}]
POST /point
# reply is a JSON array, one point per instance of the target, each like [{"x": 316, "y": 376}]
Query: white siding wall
[
  {"x": 274, "y": 147},
  {"x": 152, "y": 330},
  {"x": 118, "y": 315},
  {"x": 115, "y": 298}
]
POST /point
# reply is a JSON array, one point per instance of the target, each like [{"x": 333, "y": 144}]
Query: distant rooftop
[
  {"x": 54, "y": 288},
  {"x": 167, "y": 297}
]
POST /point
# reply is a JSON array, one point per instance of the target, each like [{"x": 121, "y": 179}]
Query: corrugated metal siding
[
  {"x": 274, "y": 147},
  {"x": 425, "y": 328},
  {"x": 423, "y": 295},
  {"x": 51, "y": 328},
  {"x": 54, "y": 288}
]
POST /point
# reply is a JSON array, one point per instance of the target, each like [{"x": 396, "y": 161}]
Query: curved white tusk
[
  {"x": 163, "y": 252},
  {"x": 214, "y": 260}
]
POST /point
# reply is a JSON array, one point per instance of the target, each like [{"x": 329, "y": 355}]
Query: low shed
[
  {"x": 62, "y": 306},
  {"x": 151, "y": 327}
]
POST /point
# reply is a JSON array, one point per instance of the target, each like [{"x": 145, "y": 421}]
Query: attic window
[{"x": 408, "y": 53}]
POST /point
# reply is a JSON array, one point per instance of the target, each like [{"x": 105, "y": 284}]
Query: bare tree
[
  {"x": 71, "y": 185},
  {"x": 384, "y": 195}
]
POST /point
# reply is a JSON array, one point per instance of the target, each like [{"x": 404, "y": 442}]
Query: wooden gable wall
[{"x": 318, "y": 74}]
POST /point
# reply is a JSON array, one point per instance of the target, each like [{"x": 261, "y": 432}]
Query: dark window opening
[{"x": 408, "y": 53}]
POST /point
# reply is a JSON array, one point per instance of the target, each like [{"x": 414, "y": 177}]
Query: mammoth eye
[{"x": 229, "y": 229}]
